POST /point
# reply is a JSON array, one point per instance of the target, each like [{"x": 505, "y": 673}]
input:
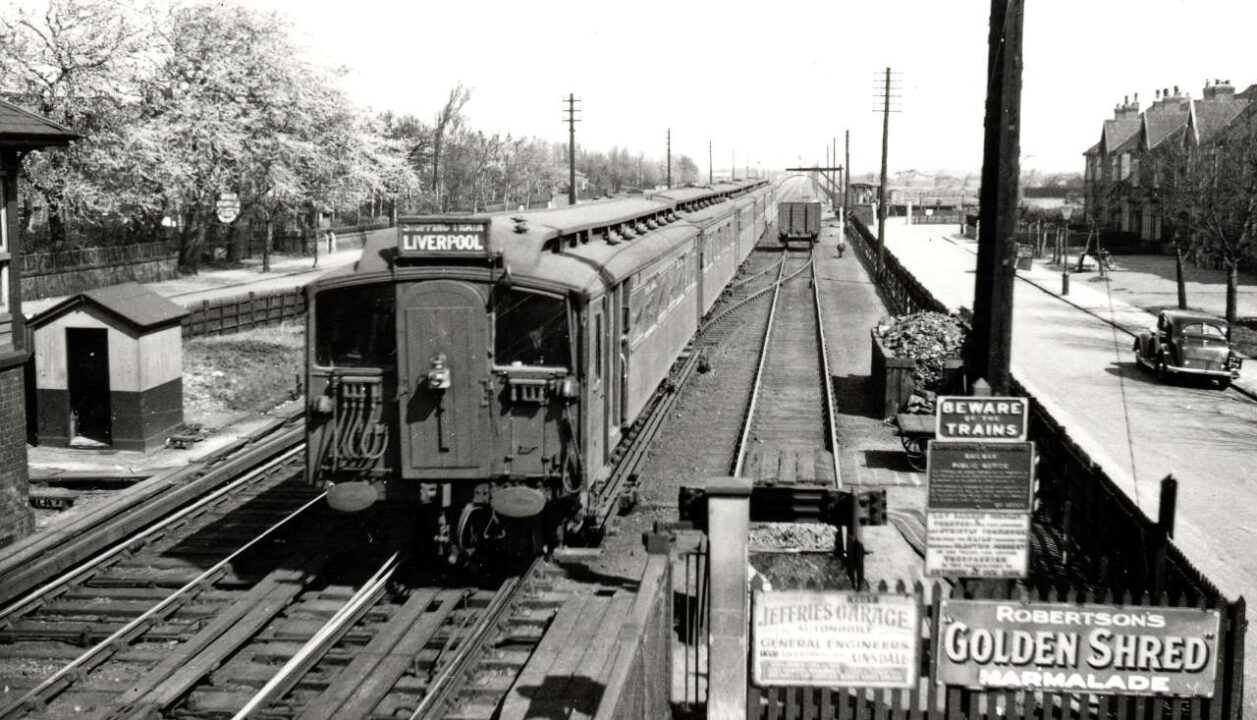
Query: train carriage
[{"x": 483, "y": 368}]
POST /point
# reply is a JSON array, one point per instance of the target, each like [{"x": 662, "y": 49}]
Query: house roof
[
  {"x": 1117, "y": 132},
  {"x": 1093, "y": 150},
  {"x": 134, "y": 304},
  {"x": 22, "y": 127},
  {"x": 1208, "y": 117},
  {"x": 1160, "y": 125}
]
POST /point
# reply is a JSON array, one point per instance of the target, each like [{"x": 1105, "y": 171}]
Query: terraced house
[{"x": 1124, "y": 169}]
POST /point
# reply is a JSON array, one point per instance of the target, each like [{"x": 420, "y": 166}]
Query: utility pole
[
  {"x": 733, "y": 165},
  {"x": 669, "y": 157},
  {"x": 882, "y": 195},
  {"x": 846, "y": 179},
  {"x": 710, "y": 170},
  {"x": 991, "y": 349},
  {"x": 571, "y": 120}
]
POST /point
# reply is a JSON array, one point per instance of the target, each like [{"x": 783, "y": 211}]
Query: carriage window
[
  {"x": 531, "y": 329},
  {"x": 355, "y": 326},
  {"x": 1204, "y": 330}
]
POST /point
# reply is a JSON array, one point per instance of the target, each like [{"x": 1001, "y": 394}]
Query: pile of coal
[{"x": 929, "y": 338}]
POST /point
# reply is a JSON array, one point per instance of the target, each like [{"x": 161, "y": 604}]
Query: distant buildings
[{"x": 1122, "y": 173}]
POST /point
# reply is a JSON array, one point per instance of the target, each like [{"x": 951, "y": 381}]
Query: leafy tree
[{"x": 77, "y": 63}]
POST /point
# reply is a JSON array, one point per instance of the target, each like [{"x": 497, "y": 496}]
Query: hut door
[{"x": 87, "y": 378}]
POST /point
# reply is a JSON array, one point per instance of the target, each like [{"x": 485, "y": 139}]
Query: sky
[{"x": 772, "y": 84}]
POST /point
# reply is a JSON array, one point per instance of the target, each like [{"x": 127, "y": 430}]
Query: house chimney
[
  {"x": 1158, "y": 97},
  {"x": 1176, "y": 91}
]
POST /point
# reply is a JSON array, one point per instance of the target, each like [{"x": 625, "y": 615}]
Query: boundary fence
[{"x": 243, "y": 312}]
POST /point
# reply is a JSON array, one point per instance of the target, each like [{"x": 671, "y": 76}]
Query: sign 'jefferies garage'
[
  {"x": 982, "y": 418},
  {"x": 442, "y": 237},
  {"x": 1078, "y": 647},
  {"x": 835, "y": 639}
]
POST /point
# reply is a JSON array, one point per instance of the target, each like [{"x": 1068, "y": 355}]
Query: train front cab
[{"x": 446, "y": 385}]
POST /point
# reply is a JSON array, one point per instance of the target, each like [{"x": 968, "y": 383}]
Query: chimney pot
[
  {"x": 1158, "y": 97},
  {"x": 1176, "y": 91}
]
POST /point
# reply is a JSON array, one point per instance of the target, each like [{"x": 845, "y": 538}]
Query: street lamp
[{"x": 1066, "y": 211}]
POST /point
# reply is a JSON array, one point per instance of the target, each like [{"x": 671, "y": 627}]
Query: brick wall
[{"x": 16, "y": 519}]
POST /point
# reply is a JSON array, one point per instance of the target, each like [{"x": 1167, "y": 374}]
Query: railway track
[
  {"x": 74, "y": 641},
  {"x": 251, "y": 602},
  {"x": 790, "y": 410}
]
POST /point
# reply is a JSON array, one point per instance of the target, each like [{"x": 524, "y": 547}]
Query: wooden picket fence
[
  {"x": 931, "y": 700},
  {"x": 234, "y": 314}
]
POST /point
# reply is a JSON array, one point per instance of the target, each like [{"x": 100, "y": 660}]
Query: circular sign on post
[{"x": 228, "y": 207}]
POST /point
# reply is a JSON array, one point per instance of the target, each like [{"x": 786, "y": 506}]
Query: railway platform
[{"x": 1074, "y": 353}]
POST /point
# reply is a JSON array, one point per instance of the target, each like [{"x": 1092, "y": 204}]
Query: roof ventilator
[
  {"x": 611, "y": 236},
  {"x": 628, "y": 231}
]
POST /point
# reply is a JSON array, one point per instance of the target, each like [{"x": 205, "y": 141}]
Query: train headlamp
[{"x": 439, "y": 375}]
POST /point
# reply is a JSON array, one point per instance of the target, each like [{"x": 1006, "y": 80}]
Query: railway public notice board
[
  {"x": 1129, "y": 650},
  {"x": 835, "y": 639},
  {"x": 978, "y": 503}
]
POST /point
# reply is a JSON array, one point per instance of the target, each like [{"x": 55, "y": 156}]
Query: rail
[{"x": 453, "y": 671}]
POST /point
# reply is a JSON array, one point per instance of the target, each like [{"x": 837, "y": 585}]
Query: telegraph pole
[
  {"x": 709, "y": 163},
  {"x": 881, "y": 191},
  {"x": 991, "y": 349},
  {"x": 571, "y": 119},
  {"x": 846, "y": 179},
  {"x": 669, "y": 157},
  {"x": 733, "y": 165}
]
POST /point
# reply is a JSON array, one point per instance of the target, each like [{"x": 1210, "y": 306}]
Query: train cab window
[
  {"x": 355, "y": 327},
  {"x": 531, "y": 329}
]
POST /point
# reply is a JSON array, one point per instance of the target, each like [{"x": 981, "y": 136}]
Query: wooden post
[
  {"x": 1169, "y": 504},
  {"x": 728, "y": 527},
  {"x": 997, "y": 251}
]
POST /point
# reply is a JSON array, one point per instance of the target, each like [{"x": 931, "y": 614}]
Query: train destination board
[
  {"x": 1071, "y": 647},
  {"x": 977, "y": 544},
  {"x": 980, "y": 476},
  {"x": 998, "y": 419},
  {"x": 834, "y": 639},
  {"x": 429, "y": 238}
]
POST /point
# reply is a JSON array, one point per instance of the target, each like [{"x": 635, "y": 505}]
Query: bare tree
[
  {"x": 1213, "y": 194},
  {"x": 449, "y": 116}
]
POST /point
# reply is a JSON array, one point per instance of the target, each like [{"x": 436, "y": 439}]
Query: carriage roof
[{"x": 568, "y": 247}]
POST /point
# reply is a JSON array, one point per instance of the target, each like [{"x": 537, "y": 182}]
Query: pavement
[
  {"x": 1075, "y": 355},
  {"x": 87, "y": 467}
]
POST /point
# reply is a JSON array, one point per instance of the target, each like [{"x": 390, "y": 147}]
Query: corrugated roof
[
  {"x": 17, "y": 124},
  {"x": 135, "y": 304}
]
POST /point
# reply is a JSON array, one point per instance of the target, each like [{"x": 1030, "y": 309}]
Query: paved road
[{"x": 1137, "y": 429}]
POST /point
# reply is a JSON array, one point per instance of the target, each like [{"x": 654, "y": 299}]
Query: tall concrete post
[{"x": 728, "y": 521}]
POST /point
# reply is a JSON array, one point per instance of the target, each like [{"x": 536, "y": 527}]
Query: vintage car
[{"x": 1188, "y": 343}]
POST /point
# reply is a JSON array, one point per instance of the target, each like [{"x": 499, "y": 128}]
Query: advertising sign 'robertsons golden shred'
[{"x": 1083, "y": 648}]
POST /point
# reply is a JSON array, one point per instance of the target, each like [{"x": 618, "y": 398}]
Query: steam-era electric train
[{"x": 483, "y": 369}]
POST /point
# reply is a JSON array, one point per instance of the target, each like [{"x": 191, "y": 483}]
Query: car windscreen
[{"x": 1206, "y": 331}]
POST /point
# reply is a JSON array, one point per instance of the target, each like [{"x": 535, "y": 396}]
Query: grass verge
[{"x": 226, "y": 375}]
